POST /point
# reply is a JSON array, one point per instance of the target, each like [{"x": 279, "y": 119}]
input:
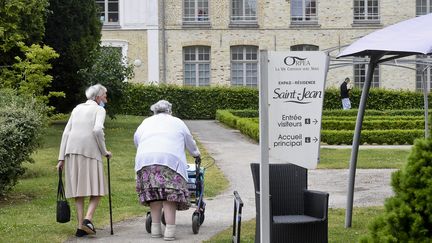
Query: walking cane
[{"x": 109, "y": 196}]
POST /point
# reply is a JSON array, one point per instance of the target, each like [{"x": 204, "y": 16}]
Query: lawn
[
  {"x": 367, "y": 158},
  {"x": 28, "y": 212},
  {"x": 337, "y": 233}
]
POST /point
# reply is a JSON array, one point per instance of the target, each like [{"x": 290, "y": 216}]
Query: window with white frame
[
  {"x": 120, "y": 45},
  {"x": 366, "y": 11},
  {"x": 195, "y": 11},
  {"x": 244, "y": 66},
  {"x": 304, "y": 11},
  {"x": 117, "y": 49},
  {"x": 304, "y": 48},
  {"x": 109, "y": 11},
  {"x": 196, "y": 65},
  {"x": 423, "y": 7},
  {"x": 423, "y": 71},
  {"x": 243, "y": 10},
  {"x": 360, "y": 71}
]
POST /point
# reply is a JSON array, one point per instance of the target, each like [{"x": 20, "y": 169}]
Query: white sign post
[
  {"x": 291, "y": 102},
  {"x": 295, "y": 97}
]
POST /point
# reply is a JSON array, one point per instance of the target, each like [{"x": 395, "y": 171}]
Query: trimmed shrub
[
  {"x": 226, "y": 117},
  {"x": 372, "y": 136},
  {"x": 353, "y": 112},
  {"x": 372, "y": 124},
  {"x": 250, "y": 127},
  {"x": 202, "y": 102},
  {"x": 408, "y": 214},
  {"x": 373, "y": 118},
  {"x": 378, "y": 99},
  {"x": 21, "y": 123},
  {"x": 245, "y": 113},
  {"x": 188, "y": 102}
]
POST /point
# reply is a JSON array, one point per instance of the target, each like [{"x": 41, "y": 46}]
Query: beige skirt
[{"x": 84, "y": 177}]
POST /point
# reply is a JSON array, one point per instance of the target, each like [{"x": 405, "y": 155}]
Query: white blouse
[{"x": 161, "y": 140}]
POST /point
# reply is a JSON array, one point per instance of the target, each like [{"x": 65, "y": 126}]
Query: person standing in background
[{"x": 344, "y": 93}]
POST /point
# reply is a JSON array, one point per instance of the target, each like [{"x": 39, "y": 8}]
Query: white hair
[
  {"x": 94, "y": 91},
  {"x": 162, "y": 106}
]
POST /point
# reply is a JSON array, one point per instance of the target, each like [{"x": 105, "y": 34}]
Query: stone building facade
[{"x": 217, "y": 42}]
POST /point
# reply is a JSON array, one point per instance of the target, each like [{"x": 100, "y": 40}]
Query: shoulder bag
[{"x": 63, "y": 208}]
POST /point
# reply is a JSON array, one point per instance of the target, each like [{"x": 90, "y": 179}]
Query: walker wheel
[
  {"x": 195, "y": 224},
  {"x": 202, "y": 218},
  {"x": 148, "y": 223}
]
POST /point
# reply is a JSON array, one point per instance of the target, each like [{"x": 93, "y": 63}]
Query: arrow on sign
[
  {"x": 315, "y": 121},
  {"x": 315, "y": 139}
]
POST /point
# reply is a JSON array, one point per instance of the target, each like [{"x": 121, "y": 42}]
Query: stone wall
[
  {"x": 137, "y": 49},
  {"x": 335, "y": 29}
]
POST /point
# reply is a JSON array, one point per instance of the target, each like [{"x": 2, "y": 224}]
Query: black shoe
[
  {"x": 80, "y": 233},
  {"x": 88, "y": 227}
]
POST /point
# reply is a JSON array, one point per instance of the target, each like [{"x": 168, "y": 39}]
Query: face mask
[{"x": 101, "y": 103}]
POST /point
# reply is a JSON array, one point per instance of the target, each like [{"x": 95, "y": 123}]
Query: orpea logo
[{"x": 296, "y": 61}]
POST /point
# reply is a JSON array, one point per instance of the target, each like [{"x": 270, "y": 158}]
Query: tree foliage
[
  {"x": 21, "y": 21},
  {"x": 408, "y": 214},
  {"x": 111, "y": 70},
  {"x": 73, "y": 30},
  {"x": 28, "y": 74},
  {"x": 23, "y": 61}
]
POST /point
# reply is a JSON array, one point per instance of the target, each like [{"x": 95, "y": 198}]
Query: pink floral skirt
[{"x": 161, "y": 183}]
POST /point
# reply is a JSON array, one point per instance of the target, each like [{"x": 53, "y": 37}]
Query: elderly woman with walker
[
  {"x": 161, "y": 167},
  {"x": 81, "y": 151}
]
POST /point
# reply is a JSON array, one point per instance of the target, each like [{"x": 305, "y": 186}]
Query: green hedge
[
  {"x": 188, "y": 102},
  {"x": 226, "y": 117},
  {"x": 247, "y": 126},
  {"x": 378, "y": 99},
  {"x": 370, "y": 112},
  {"x": 202, "y": 102},
  {"x": 250, "y": 127},
  {"x": 372, "y": 124},
  {"x": 21, "y": 123},
  {"x": 245, "y": 113},
  {"x": 390, "y": 137},
  {"x": 373, "y": 118}
]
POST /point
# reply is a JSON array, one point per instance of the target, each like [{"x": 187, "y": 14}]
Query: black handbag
[{"x": 63, "y": 208}]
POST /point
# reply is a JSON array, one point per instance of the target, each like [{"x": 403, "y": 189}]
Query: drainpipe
[{"x": 163, "y": 43}]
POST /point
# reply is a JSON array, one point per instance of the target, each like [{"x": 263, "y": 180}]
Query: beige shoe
[
  {"x": 156, "y": 230},
  {"x": 170, "y": 231}
]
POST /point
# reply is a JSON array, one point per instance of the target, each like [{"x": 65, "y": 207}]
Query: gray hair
[
  {"x": 162, "y": 106},
  {"x": 94, "y": 91}
]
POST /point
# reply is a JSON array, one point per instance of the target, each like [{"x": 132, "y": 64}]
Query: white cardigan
[
  {"x": 84, "y": 133},
  {"x": 161, "y": 139}
]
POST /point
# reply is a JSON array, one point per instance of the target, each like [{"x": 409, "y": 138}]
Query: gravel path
[{"x": 233, "y": 153}]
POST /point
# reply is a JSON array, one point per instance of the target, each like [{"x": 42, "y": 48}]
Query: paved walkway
[{"x": 233, "y": 153}]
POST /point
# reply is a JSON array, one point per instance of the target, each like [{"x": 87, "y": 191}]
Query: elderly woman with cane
[
  {"x": 161, "y": 166},
  {"x": 81, "y": 151}
]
